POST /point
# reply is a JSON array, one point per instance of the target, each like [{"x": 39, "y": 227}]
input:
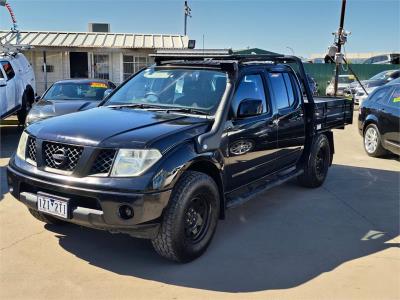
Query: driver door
[{"x": 252, "y": 141}]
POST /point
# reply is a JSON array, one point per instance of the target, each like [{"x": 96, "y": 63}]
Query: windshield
[
  {"x": 382, "y": 75},
  {"x": 345, "y": 79},
  {"x": 173, "y": 88},
  {"x": 76, "y": 91}
]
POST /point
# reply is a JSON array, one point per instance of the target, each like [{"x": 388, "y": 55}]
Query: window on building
[
  {"x": 101, "y": 66},
  {"x": 133, "y": 64}
]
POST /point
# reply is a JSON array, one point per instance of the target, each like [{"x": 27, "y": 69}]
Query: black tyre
[
  {"x": 45, "y": 218},
  {"x": 26, "y": 106},
  {"x": 372, "y": 141},
  {"x": 317, "y": 166},
  {"x": 190, "y": 219}
]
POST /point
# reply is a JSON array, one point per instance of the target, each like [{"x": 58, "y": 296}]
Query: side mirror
[
  {"x": 249, "y": 108},
  {"x": 37, "y": 98},
  {"x": 107, "y": 92},
  {"x": 3, "y": 82}
]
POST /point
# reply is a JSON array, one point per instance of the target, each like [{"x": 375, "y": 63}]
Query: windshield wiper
[
  {"x": 133, "y": 105},
  {"x": 187, "y": 110}
]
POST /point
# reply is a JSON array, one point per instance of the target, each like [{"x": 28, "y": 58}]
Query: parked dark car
[
  {"x": 68, "y": 96},
  {"x": 177, "y": 144},
  {"x": 378, "y": 121}
]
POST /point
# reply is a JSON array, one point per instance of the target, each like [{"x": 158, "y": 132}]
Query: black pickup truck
[{"x": 174, "y": 146}]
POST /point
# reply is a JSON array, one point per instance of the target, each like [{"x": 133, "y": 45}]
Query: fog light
[{"x": 126, "y": 212}]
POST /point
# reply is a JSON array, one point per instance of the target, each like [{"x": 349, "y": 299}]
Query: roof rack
[{"x": 164, "y": 56}]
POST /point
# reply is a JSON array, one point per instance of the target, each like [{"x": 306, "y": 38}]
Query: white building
[{"x": 106, "y": 55}]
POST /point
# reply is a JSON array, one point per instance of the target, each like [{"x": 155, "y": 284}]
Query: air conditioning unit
[{"x": 99, "y": 27}]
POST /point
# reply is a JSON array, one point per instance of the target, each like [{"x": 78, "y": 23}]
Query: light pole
[
  {"x": 291, "y": 49},
  {"x": 188, "y": 13}
]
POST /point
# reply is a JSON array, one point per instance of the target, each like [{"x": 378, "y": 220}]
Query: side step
[{"x": 256, "y": 189}]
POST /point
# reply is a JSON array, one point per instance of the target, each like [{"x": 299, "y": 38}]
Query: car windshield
[
  {"x": 345, "y": 79},
  {"x": 173, "y": 88},
  {"x": 382, "y": 75},
  {"x": 92, "y": 90}
]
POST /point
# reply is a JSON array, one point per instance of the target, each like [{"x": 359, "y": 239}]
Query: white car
[
  {"x": 17, "y": 86},
  {"x": 344, "y": 82}
]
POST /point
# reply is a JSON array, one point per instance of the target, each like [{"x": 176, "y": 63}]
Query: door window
[
  {"x": 379, "y": 96},
  {"x": 8, "y": 69},
  {"x": 1, "y": 73},
  {"x": 250, "y": 87},
  {"x": 283, "y": 90},
  {"x": 395, "y": 98}
]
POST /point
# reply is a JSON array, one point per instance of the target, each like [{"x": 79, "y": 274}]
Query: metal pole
[
  {"x": 186, "y": 15},
  {"x": 291, "y": 50},
  {"x": 339, "y": 43},
  {"x": 45, "y": 70}
]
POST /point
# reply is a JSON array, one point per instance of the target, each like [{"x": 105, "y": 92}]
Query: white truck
[{"x": 17, "y": 85}]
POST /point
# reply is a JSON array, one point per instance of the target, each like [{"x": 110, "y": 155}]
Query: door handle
[{"x": 274, "y": 122}]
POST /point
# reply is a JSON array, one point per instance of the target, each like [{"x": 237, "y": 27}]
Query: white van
[{"x": 17, "y": 86}]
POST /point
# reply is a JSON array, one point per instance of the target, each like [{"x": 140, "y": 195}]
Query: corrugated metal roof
[{"x": 96, "y": 39}]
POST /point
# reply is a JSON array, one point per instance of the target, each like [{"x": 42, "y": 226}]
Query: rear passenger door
[{"x": 290, "y": 118}]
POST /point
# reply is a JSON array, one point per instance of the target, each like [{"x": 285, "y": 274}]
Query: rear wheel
[
  {"x": 190, "y": 219},
  {"x": 45, "y": 218},
  {"x": 318, "y": 163},
  {"x": 373, "y": 142}
]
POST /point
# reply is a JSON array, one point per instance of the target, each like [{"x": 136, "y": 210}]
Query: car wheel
[
  {"x": 26, "y": 106},
  {"x": 45, "y": 218},
  {"x": 190, "y": 219},
  {"x": 317, "y": 166},
  {"x": 372, "y": 141}
]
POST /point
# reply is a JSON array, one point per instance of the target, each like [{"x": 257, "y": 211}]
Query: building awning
[{"x": 96, "y": 40}]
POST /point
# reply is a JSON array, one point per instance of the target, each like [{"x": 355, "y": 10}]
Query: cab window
[
  {"x": 250, "y": 87},
  {"x": 8, "y": 70},
  {"x": 282, "y": 88},
  {"x": 1, "y": 73}
]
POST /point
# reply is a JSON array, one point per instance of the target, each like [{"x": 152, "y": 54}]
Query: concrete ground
[{"x": 340, "y": 241}]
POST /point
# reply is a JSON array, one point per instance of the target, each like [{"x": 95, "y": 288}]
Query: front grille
[
  {"x": 103, "y": 162},
  {"x": 31, "y": 149},
  {"x": 61, "y": 156}
]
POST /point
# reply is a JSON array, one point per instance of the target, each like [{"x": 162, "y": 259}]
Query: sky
[{"x": 304, "y": 26}]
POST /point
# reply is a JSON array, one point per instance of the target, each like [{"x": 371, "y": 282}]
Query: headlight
[
  {"x": 32, "y": 118},
  {"x": 21, "y": 150},
  {"x": 133, "y": 162}
]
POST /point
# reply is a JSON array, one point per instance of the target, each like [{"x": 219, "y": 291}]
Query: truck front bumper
[{"x": 93, "y": 206}]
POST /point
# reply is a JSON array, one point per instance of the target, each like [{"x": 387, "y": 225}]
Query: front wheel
[
  {"x": 190, "y": 219},
  {"x": 317, "y": 165},
  {"x": 25, "y": 108}
]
